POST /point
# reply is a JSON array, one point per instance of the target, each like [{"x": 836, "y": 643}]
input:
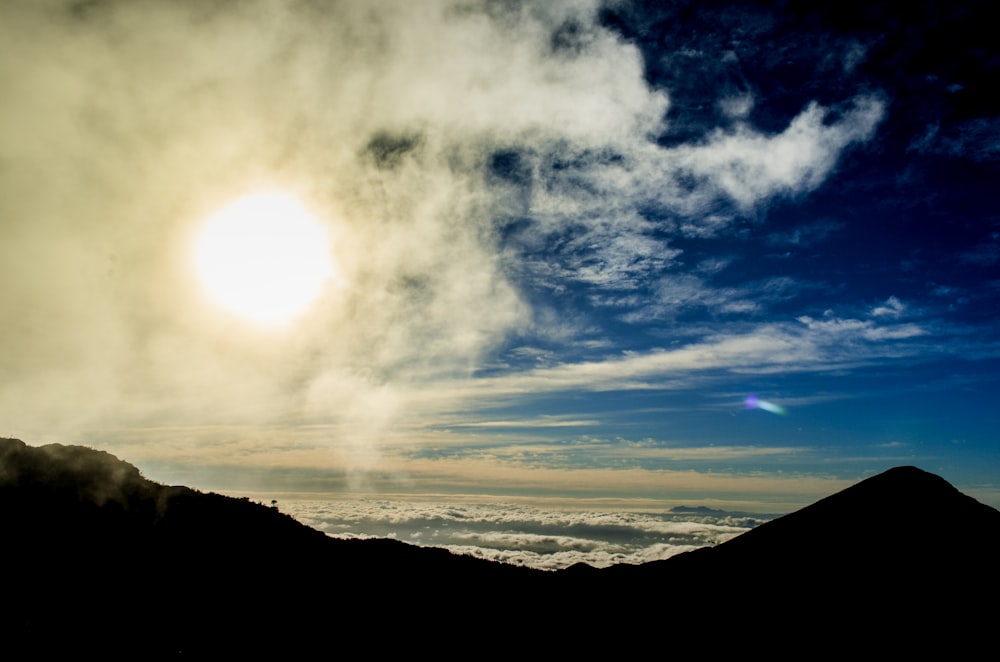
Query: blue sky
[{"x": 570, "y": 240}]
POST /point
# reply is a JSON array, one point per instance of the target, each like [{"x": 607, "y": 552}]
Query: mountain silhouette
[
  {"x": 99, "y": 559},
  {"x": 899, "y": 562}
]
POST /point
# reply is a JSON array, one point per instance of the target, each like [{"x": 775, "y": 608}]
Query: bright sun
[{"x": 263, "y": 257}]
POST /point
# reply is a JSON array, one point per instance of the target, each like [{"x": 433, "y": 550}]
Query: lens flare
[{"x": 753, "y": 402}]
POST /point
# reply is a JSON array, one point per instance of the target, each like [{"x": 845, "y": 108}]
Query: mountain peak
[
  {"x": 900, "y": 514},
  {"x": 909, "y": 477}
]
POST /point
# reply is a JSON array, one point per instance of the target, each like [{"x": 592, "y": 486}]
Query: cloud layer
[{"x": 523, "y": 535}]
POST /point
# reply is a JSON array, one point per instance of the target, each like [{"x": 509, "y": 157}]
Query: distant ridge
[
  {"x": 696, "y": 510},
  {"x": 899, "y": 563}
]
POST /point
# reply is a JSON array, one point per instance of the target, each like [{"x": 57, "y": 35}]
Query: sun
[{"x": 263, "y": 257}]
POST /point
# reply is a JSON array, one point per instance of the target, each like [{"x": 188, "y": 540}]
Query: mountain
[
  {"x": 899, "y": 562},
  {"x": 888, "y": 516},
  {"x": 96, "y": 554},
  {"x": 99, "y": 559}
]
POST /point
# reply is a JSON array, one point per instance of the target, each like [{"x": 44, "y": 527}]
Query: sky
[{"x": 624, "y": 254}]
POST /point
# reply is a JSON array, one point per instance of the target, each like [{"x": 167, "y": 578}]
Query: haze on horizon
[{"x": 569, "y": 243}]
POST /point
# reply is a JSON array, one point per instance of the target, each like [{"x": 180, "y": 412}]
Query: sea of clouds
[{"x": 527, "y": 535}]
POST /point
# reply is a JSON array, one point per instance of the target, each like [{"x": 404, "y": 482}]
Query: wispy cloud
[
  {"x": 805, "y": 345},
  {"x": 977, "y": 139},
  {"x": 805, "y": 235},
  {"x": 750, "y": 167},
  {"x": 853, "y": 329},
  {"x": 674, "y": 294},
  {"x": 893, "y": 444},
  {"x": 598, "y": 197},
  {"x": 984, "y": 255},
  {"x": 544, "y": 422},
  {"x": 892, "y": 308}
]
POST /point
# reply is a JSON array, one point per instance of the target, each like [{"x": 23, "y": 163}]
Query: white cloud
[
  {"x": 850, "y": 330},
  {"x": 599, "y": 192},
  {"x": 897, "y": 332},
  {"x": 892, "y": 308},
  {"x": 130, "y": 122},
  {"x": 893, "y": 444},
  {"x": 738, "y": 106},
  {"x": 543, "y": 422},
  {"x": 809, "y": 345},
  {"x": 523, "y": 535},
  {"x": 166, "y": 111},
  {"x": 750, "y": 167},
  {"x": 682, "y": 292}
]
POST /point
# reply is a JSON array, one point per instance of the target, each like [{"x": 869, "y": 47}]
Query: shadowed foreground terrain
[{"x": 98, "y": 559}]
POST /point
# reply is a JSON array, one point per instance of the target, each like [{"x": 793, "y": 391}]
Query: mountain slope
[
  {"x": 897, "y": 513},
  {"x": 900, "y": 562},
  {"x": 96, "y": 552}
]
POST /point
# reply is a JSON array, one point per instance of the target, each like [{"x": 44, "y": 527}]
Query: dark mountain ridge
[{"x": 94, "y": 555}]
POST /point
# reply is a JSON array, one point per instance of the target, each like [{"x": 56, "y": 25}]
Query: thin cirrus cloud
[
  {"x": 892, "y": 308},
  {"x": 802, "y": 346},
  {"x": 675, "y": 294}
]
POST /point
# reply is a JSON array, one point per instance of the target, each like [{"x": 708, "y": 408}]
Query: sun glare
[{"x": 264, "y": 257}]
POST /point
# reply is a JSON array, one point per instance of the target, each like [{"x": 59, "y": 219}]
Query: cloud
[
  {"x": 893, "y": 444},
  {"x": 806, "y": 235},
  {"x": 737, "y": 106},
  {"x": 805, "y": 345},
  {"x": 674, "y": 294},
  {"x": 984, "y": 255},
  {"x": 467, "y": 156},
  {"x": 976, "y": 140},
  {"x": 749, "y": 167},
  {"x": 590, "y": 452},
  {"x": 892, "y": 308},
  {"x": 512, "y": 533},
  {"x": 853, "y": 329},
  {"x": 167, "y": 111},
  {"x": 589, "y": 205},
  {"x": 543, "y": 422}
]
